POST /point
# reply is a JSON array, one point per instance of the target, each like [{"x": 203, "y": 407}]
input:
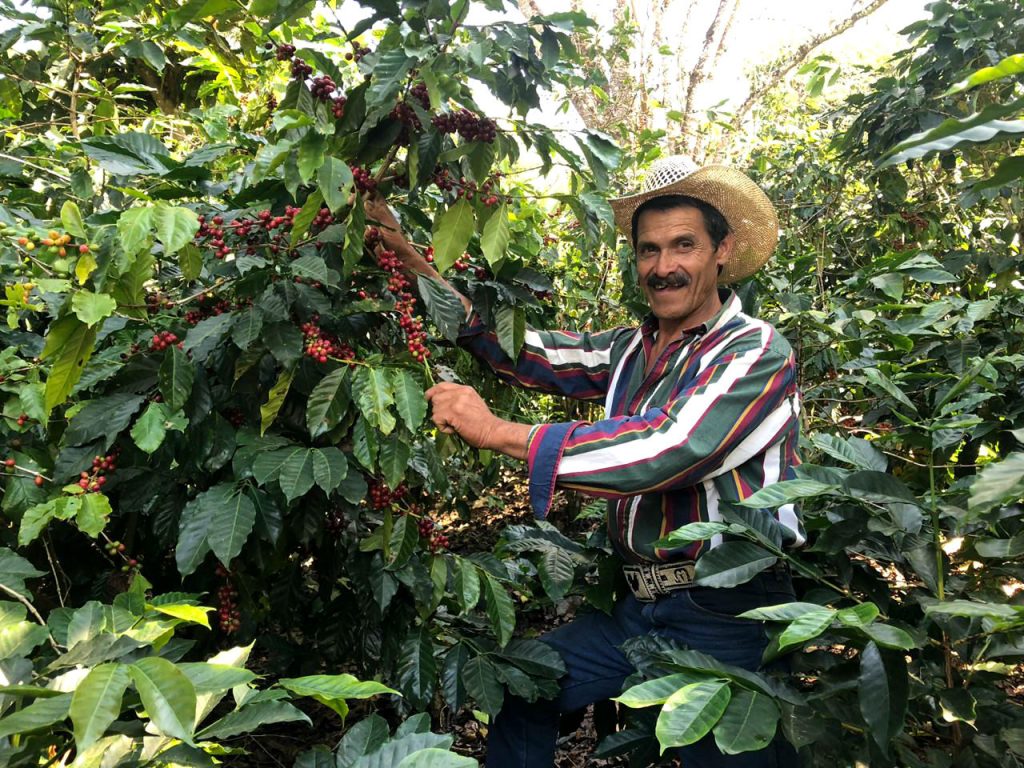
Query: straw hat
[{"x": 746, "y": 208}]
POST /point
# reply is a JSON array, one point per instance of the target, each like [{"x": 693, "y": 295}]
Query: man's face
[{"x": 678, "y": 266}]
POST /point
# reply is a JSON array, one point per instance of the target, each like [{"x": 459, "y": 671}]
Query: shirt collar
[{"x": 731, "y": 306}]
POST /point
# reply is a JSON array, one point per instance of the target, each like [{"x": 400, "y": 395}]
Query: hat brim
[{"x": 746, "y": 208}]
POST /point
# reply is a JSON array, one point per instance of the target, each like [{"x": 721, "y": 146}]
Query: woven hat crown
[{"x": 668, "y": 170}]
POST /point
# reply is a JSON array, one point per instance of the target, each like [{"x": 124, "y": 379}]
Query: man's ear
[{"x": 724, "y": 251}]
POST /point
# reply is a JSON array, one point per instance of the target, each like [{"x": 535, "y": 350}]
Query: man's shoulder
[{"x": 749, "y": 332}]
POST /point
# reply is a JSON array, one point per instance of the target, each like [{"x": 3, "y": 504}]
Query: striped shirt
[{"x": 714, "y": 419}]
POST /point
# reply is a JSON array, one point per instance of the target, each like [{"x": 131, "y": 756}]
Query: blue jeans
[{"x": 703, "y": 619}]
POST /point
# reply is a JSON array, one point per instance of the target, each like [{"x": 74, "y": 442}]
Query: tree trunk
[{"x": 697, "y": 76}]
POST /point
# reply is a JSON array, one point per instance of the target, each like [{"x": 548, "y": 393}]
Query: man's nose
[{"x": 665, "y": 264}]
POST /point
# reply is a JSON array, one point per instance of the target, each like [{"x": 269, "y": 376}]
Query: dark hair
[{"x": 714, "y": 221}]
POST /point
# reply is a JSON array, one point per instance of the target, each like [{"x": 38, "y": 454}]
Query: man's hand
[
  {"x": 392, "y": 236},
  {"x": 459, "y": 410}
]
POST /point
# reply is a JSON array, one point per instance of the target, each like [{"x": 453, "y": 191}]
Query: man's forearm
[
  {"x": 510, "y": 438},
  {"x": 394, "y": 239}
]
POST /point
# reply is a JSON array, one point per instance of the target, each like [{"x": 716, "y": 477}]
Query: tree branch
[
  {"x": 17, "y": 596},
  {"x": 786, "y": 65}
]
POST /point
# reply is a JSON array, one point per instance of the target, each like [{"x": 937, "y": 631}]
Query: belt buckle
[
  {"x": 642, "y": 583},
  {"x": 674, "y": 576},
  {"x": 650, "y": 581}
]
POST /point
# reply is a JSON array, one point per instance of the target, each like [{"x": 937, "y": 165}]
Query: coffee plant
[
  {"x": 212, "y": 380},
  {"x": 212, "y": 373}
]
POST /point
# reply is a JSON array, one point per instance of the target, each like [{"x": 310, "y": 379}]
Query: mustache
[{"x": 674, "y": 280}]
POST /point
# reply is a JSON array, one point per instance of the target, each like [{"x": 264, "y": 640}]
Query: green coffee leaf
[
  {"x": 133, "y": 228},
  {"x": 275, "y": 399},
  {"x": 69, "y": 343},
  {"x": 253, "y": 716},
  {"x": 409, "y": 399},
  {"x": 167, "y": 695},
  {"x": 496, "y": 236},
  {"x": 72, "y": 219},
  {"x": 96, "y": 702},
  {"x": 371, "y": 388},
  {"x": 691, "y": 712},
  {"x": 655, "y": 692},
  {"x": 883, "y": 687},
  {"x": 40, "y": 714},
  {"x": 500, "y": 608},
  {"x": 175, "y": 378},
  {"x": 175, "y": 226},
  {"x": 91, "y": 307},
  {"x": 231, "y": 522},
  {"x": 732, "y": 563},
  {"x": 335, "y": 182},
  {"x": 330, "y": 467},
  {"x": 328, "y": 403},
  {"x": 748, "y": 723},
  {"x": 481, "y": 681},
  {"x": 452, "y": 231}
]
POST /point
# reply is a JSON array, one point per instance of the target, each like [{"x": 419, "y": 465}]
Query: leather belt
[{"x": 649, "y": 581}]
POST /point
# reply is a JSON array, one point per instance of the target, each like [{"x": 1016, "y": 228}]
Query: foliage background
[{"x": 279, "y": 460}]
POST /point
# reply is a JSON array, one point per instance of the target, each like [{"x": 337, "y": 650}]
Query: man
[{"x": 701, "y": 408}]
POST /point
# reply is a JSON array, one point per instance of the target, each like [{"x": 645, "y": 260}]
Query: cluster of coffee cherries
[
  {"x": 300, "y": 69},
  {"x": 265, "y": 229},
  {"x": 210, "y": 306},
  {"x": 10, "y": 465},
  {"x": 102, "y": 466},
  {"x": 214, "y": 232},
  {"x": 485, "y": 192},
  {"x": 334, "y": 522},
  {"x": 488, "y": 192},
  {"x": 406, "y": 114},
  {"x": 323, "y": 219},
  {"x": 429, "y": 532},
  {"x": 464, "y": 264},
  {"x": 117, "y": 549},
  {"x": 22, "y": 419},
  {"x": 228, "y": 615},
  {"x": 156, "y": 301},
  {"x": 235, "y": 417},
  {"x": 357, "y": 53},
  {"x": 162, "y": 341},
  {"x": 443, "y": 179},
  {"x": 382, "y": 497},
  {"x": 405, "y": 303},
  {"x": 321, "y": 345},
  {"x": 363, "y": 178},
  {"x": 285, "y": 52},
  {"x": 323, "y": 87},
  {"x": 470, "y": 127},
  {"x": 338, "y": 106}
]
